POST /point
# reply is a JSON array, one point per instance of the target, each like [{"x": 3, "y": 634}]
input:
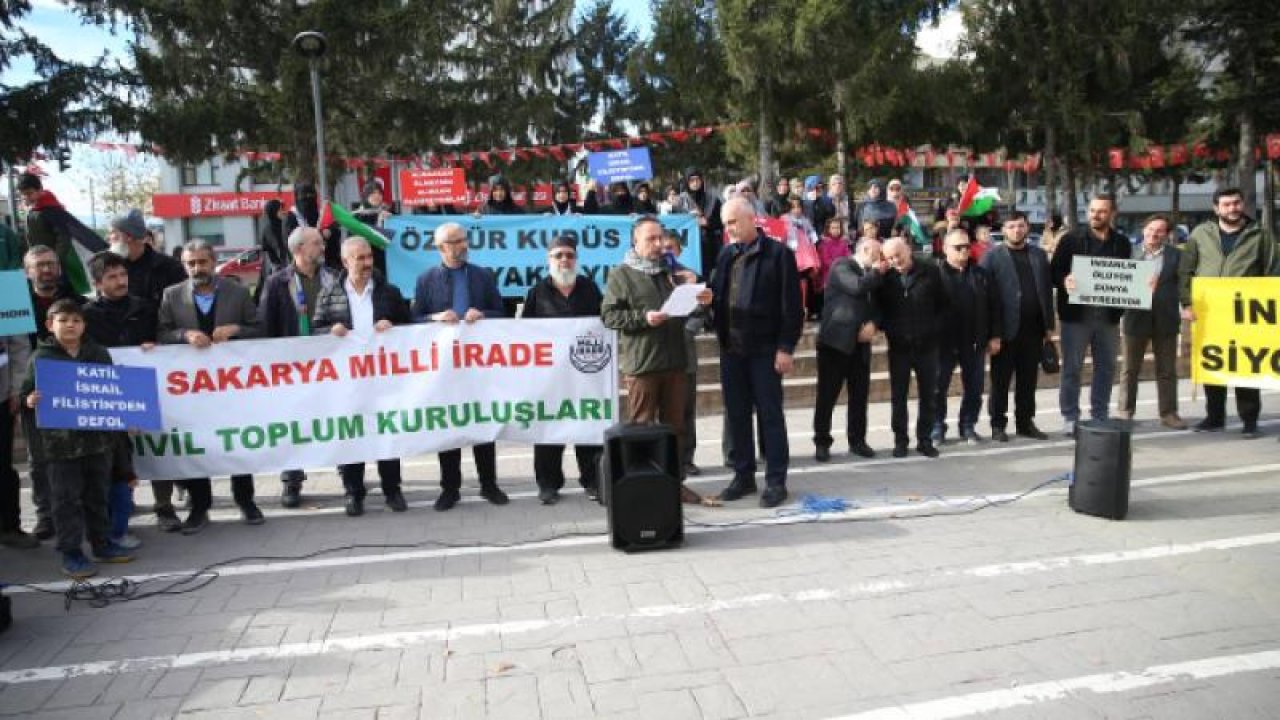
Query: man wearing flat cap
[{"x": 563, "y": 293}]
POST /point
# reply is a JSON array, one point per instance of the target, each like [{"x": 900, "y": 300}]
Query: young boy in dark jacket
[{"x": 77, "y": 459}]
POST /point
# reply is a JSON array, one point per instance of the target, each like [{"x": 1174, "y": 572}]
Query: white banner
[
  {"x": 266, "y": 405},
  {"x": 1112, "y": 282}
]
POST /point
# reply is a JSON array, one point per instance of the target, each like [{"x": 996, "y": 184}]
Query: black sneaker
[
  {"x": 773, "y": 496},
  {"x": 396, "y": 502},
  {"x": 861, "y": 449},
  {"x": 43, "y": 529},
  {"x": 494, "y": 494},
  {"x": 899, "y": 451},
  {"x": 291, "y": 495},
  {"x": 250, "y": 514},
  {"x": 168, "y": 520},
  {"x": 1207, "y": 425},
  {"x": 447, "y": 499},
  {"x": 927, "y": 449},
  {"x": 194, "y": 523},
  {"x": 999, "y": 435},
  {"x": 549, "y": 496},
  {"x": 822, "y": 454},
  {"x": 1033, "y": 432},
  {"x": 1251, "y": 432}
]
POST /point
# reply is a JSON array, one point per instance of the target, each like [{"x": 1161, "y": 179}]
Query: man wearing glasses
[
  {"x": 563, "y": 294},
  {"x": 452, "y": 292},
  {"x": 970, "y": 329}
]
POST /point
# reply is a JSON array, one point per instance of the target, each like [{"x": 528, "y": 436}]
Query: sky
[{"x": 84, "y": 43}]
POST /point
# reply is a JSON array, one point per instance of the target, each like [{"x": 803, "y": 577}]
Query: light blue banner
[
  {"x": 16, "y": 316},
  {"x": 514, "y": 247}
]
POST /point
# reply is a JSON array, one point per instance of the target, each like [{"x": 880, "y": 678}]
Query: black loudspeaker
[
  {"x": 641, "y": 487},
  {"x": 1104, "y": 462}
]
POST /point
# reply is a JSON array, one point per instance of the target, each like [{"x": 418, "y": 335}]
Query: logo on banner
[
  {"x": 591, "y": 353},
  {"x": 196, "y": 205}
]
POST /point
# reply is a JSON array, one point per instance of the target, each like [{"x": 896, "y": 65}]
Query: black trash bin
[{"x": 1104, "y": 462}]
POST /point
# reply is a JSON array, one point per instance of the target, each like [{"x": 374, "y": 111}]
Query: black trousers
[
  {"x": 41, "y": 496},
  {"x": 1248, "y": 404},
  {"x": 10, "y": 513},
  {"x": 486, "y": 457},
  {"x": 201, "y": 491},
  {"x": 1019, "y": 361},
  {"x": 904, "y": 361},
  {"x": 548, "y": 470},
  {"x": 79, "y": 492},
  {"x": 353, "y": 478},
  {"x": 838, "y": 370}
]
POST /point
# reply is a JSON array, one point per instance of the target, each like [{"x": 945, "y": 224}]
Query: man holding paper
[
  {"x": 1157, "y": 327},
  {"x": 651, "y": 351},
  {"x": 1087, "y": 328}
]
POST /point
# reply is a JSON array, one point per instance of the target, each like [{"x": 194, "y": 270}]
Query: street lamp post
[{"x": 311, "y": 45}]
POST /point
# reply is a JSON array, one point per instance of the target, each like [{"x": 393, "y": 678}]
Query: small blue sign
[
  {"x": 16, "y": 315},
  {"x": 89, "y": 396},
  {"x": 620, "y": 165}
]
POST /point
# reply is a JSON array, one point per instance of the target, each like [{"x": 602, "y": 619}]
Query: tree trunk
[
  {"x": 1050, "y": 173},
  {"x": 1246, "y": 172},
  {"x": 1175, "y": 199},
  {"x": 842, "y": 154},
  {"x": 766, "y": 137},
  {"x": 1073, "y": 199}
]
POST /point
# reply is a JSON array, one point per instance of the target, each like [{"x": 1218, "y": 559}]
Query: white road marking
[
  {"x": 895, "y": 508},
  {"x": 403, "y": 639},
  {"x": 962, "y": 706}
]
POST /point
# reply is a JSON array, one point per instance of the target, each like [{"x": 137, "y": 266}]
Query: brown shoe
[{"x": 1173, "y": 422}]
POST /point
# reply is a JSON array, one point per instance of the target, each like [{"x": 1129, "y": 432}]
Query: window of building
[
  {"x": 202, "y": 174},
  {"x": 208, "y": 229}
]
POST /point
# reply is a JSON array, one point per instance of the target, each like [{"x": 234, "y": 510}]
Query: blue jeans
[
  {"x": 120, "y": 506},
  {"x": 751, "y": 385},
  {"x": 1101, "y": 338},
  {"x": 970, "y": 358}
]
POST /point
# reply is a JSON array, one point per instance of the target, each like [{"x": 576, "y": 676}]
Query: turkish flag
[
  {"x": 1178, "y": 154},
  {"x": 1155, "y": 154},
  {"x": 1116, "y": 158}
]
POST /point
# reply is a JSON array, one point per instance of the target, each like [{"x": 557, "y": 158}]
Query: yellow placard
[{"x": 1235, "y": 339}]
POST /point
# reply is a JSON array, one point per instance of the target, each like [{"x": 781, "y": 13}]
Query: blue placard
[
  {"x": 514, "y": 247},
  {"x": 16, "y": 315},
  {"x": 89, "y": 396},
  {"x": 620, "y": 165}
]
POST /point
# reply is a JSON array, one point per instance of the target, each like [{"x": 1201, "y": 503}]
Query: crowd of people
[{"x": 938, "y": 314}]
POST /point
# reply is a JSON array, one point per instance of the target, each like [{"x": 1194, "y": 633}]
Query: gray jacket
[
  {"x": 1164, "y": 318},
  {"x": 999, "y": 262},
  {"x": 233, "y": 306},
  {"x": 16, "y": 350}
]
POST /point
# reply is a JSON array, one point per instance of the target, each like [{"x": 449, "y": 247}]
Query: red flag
[
  {"x": 326, "y": 216},
  {"x": 1178, "y": 154},
  {"x": 1155, "y": 154}
]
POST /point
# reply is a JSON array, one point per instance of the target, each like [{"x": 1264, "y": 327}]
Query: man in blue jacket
[
  {"x": 758, "y": 320},
  {"x": 452, "y": 292}
]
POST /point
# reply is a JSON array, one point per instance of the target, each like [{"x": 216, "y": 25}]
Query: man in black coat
[
  {"x": 758, "y": 319},
  {"x": 1087, "y": 328},
  {"x": 970, "y": 329},
  {"x": 912, "y": 300},
  {"x": 1157, "y": 327},
  {"x": 150, "y": 272},
  {"x": 850, "y": 316},
  {"x": 1021, "y": 275},
  {"x": 563, "y": 294}
]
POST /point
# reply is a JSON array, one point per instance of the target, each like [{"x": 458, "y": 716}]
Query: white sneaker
[{"x": 128, "y": 541}]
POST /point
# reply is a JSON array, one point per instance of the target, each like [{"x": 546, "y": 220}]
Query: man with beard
[
  {"x": 44, "y": 274},
  {"x": 1233, "y": 245},
  {"x": 306, "y": 213},
  {"x": 452, "y": 292},
  {"x": 705, "y": 206},
  {"x": 1087, "y": 328},
  {"x": 200, "y": 312},
  {"x": 361, "y": 301},
  {"x": 287, "y": 308},
  {"x": 150, "y": 272},
  {"x": 563, "y": 294},
  {"x": 651, "y": 344},
  {"x": 1156, "y": 328}
]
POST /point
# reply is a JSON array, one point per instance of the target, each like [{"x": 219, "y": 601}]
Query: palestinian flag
[
  {"x": 977, "y": 200},
  {"x": 76, "y": 243},
  {"x": 334, "y": 213},
  {"x": 907, "y": 219}
]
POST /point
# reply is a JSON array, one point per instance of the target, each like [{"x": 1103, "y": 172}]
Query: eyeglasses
[
  {"x": 959, "y": 247},
  {"x": 563, "y": 255}
]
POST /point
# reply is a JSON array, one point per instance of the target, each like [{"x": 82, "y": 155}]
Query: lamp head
[{"x": 310, "y": 44}]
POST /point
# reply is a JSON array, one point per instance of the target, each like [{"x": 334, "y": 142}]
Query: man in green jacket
[
  {"x": 651, "y": 351},
  {"x": 1231, "y": 246}
]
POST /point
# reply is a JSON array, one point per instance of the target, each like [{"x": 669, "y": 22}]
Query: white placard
[{"x": 1113, "y": 282}]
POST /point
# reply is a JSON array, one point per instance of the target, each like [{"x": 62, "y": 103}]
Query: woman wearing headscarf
[
  {"x": 501, "y": 201},
  {"x": 271, "y": 240}
]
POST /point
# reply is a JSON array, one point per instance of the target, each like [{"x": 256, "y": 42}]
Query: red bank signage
[
  {"x": 184, "y": 205},
  {"x": 439, "y": 187}
]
